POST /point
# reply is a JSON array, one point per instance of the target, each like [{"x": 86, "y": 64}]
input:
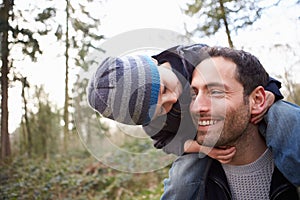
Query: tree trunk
[
  {"x": 226, "y": 24},
  {"x": 29, "y": 140},
  {"x": 66, "y": 105},
  {"x": 23, "y": 141},
  {"x": 5, "y": 143}
]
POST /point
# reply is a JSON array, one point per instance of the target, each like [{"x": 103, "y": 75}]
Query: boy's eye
[
  {"x": 163, "y": 89},
  {"x": 161, "y": 111}
]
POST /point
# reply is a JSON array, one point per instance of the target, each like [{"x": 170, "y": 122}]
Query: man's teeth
[{"x": 207, "y": 122}]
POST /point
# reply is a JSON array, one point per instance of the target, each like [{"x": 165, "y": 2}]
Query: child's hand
[
  {"x": 223, "y": 154},
  {"x": 270, "y": 98}
]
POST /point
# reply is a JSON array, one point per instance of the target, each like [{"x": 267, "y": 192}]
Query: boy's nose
[
  {"x": 168, "y": 101},
  {"x": 173, "y": 97}
]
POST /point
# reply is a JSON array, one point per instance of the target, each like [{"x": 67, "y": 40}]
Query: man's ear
[{"x": 258, "y": 100}]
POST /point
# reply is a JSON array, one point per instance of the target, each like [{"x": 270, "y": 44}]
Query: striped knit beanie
[{"x": 125, "y": 89}]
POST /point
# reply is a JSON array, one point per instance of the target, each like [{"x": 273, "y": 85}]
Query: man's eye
[
  {"x": 217, "y": 93},
  {"x": 193, "y": 93}
]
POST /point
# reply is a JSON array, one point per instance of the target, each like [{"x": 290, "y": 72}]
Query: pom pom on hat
[{"x": 125, "y": 89}]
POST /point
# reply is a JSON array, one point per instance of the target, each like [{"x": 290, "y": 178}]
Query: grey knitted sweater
[{"x": 251, "y": 181}]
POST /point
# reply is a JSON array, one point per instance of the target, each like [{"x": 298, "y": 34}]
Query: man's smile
[{"x": 207, "y": 122}]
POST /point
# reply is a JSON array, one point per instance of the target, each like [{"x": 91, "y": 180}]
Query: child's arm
[
  {"x": 223, "y": 155},
  {"x": 282, "y": 133}
]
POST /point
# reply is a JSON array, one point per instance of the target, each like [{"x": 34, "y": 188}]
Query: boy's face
[{"x": 170, "y": 89}]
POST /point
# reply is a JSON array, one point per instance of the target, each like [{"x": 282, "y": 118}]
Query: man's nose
[{"x": 201, "y": 103}]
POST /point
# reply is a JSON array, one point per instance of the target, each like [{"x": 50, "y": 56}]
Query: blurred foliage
[
  {"x": 292, "y": 88},
  {"x": 43, "y": 128},
  {"x": 289, "y": 55},
  {"x": 295, "y": 94},
  {"x": 225, "y": 15},
  {"x": 76, "y": 176}
]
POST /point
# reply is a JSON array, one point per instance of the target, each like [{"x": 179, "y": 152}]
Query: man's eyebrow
[
  {"x": 213, "y": 84},
  {"x": 217, "y": 84}
]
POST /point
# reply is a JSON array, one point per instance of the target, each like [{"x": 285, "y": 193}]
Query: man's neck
[{"x": 249, "y": 147}]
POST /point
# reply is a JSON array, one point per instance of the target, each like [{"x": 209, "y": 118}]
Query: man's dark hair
[{"x": 249, "y": 72}]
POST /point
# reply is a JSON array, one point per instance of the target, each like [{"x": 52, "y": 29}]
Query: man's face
[{"x": 217, "y": 106}]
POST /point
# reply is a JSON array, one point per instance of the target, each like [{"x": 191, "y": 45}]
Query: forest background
[{"x": 45, "y": 151}]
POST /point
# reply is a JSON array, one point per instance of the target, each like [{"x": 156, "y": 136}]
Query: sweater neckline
[{"x": 264, "y": 160}]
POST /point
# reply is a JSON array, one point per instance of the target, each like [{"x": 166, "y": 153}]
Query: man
[{"x": 227, "y": 89}]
